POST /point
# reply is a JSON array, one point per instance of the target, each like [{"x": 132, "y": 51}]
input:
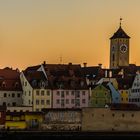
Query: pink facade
[{"x": 70, "y": 98}]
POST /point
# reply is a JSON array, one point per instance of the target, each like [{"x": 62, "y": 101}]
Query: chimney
[
  {"x": 70, "y": 64},
  {"x": 44, "y": 62},
  {"x": 105, "y": 73},
  {"x": 100, "y": 65},
  {"x": 110, "y": 74},
  {"x": 85, "y": 65}
]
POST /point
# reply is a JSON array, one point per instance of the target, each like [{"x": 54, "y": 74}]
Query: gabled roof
[
  {"x": 125, "y": 83},
  {"x": 35, "y": 77},
  {"x": 65, "y": 76},
  {"x": 33, "y": 68},
  {"x": 119, "y": 34},
  {"x": 10, "y": 80},
  {"x": 94, "y": 72}
]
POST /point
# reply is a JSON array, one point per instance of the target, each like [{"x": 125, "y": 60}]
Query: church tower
[{"x": 119, "y": 49}]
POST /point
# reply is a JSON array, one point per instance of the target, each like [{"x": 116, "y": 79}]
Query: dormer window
[
  {"x": 3, "y": 84},
  {"x": 16, "y": 84},
  {"x": 42, "y": 84},
  {"x": 34, "y": 83},
  {"x": 82, "y": 83}
]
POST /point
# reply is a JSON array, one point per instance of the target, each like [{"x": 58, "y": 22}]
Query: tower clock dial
[{"x": 123, "y": 48}]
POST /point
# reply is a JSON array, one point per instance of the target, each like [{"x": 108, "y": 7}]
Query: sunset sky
[{"x": 33, "y": 31}]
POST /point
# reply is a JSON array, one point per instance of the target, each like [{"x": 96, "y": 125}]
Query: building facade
[
  {"x": 134, "y": 95},
  {"x": 100, "y": 96},
  {"x": 10, "y": 87},
  {"x": 119, "y": 49},
  {"x": 62, "y": 119},
  {"x": 36, "y": 91}
]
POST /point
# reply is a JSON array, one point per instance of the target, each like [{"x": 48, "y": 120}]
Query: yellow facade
[
  {"x": 23, "y": 120},
  {"x": 41, "y": 99},
  {"x": 33, "y": 120},
  {"x": 124, "y": 96},
  {"x": 15, "y": 121},
  {"x": 15, "y": 124},
  {"x": 34, "y": 116}
]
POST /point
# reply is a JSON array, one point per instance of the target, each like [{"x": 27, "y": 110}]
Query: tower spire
[{"x": 120, "y": 21}]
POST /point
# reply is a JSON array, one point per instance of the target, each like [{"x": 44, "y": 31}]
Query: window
[
  {"x": 16, "y": 85},
  {"x": 42, "y": 93},
  {"x": 48, "y": 102},
  {"x": 13, "y": 95},
  {"x": 83, "y": 93},
  {"x": 132, "y": 115},
  {"x": 58, "y": 93},
  {"x": 113, "y": 115},
  {"x": 77, "y": 95},
  {"x": 25, "y": 83},
  {"x": 72, "y": 101},
  {"x": 83, "y": 101},
  {"x": 67, "y": 93},
  {"x": 29, "y": 102},
  {"x": 67, "y": 101},
  {"x": 62, "y": 94},
  {"x": 4, "y": 103},
  {"x": 122, "y": 99},
  {"x": 77, "y": 102},
  {"x": 48, "y": 93},
  {"x": 122, "y": 115},
  {"x": 18, "y": 95},
  {"x": 37, "y": 110},
  {"x": 37, "y": 102},
  {"x": 14, "y": 104},
  {"x": 42, "y": 102},
  {"x": 57, "y": 101},
  {"x": 5, "y": 95},
  {"x": 3, "y": 84},
  {"x": 72, "y": 93},
  {"x": 29, "y": 93},
  {"x": 96, "y": 102},
  {"x": 62, "y": 103},
  {"x": 37, "y": 92}
]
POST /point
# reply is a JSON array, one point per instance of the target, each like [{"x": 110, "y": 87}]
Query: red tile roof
[{"x": 10, "y": 80}]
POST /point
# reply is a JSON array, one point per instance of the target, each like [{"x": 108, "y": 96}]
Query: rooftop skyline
[{"x": 33, "y": 31}]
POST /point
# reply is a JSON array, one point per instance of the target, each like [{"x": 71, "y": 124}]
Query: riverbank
[{"x": 42, "y": 135}]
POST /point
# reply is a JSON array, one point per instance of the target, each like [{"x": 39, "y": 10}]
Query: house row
[{"x": 68, "y": 86}]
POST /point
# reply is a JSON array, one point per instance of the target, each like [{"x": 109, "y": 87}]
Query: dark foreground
[{"x": 24, "y": 135}]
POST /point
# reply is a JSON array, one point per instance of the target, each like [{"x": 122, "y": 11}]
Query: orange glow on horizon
[{"x": 35, "y": 31}]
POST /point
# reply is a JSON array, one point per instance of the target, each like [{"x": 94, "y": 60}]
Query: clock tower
[{"x": 119, "y": 49}]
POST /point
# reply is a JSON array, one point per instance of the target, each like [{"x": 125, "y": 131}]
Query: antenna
[{"x": 120, "y": 21}]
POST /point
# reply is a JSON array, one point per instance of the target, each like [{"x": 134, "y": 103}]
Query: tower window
[{"x": 113, "y": 57}]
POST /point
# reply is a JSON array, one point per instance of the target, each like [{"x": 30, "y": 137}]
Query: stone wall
[{"x": 104, "y": 119}]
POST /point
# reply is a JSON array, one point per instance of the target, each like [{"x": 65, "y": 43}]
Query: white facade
[
  {"x": 134, "y": 96},
  {"x": 27, "y": 91},
  {"x": 11, "y": 98}
]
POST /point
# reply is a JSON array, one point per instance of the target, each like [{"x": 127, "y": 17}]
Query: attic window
[
  {"x": 3, "y": 84},
  {"x": 16, "y": 84},
  {"x": 42, "y": 84},
  {"x": 82, "y": 83}
]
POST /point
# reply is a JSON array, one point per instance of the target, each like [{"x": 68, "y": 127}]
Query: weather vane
[{"x": 120, "y": 21}]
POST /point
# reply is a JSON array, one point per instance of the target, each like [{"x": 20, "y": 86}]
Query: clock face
[{"x": 123, "y": 48}]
